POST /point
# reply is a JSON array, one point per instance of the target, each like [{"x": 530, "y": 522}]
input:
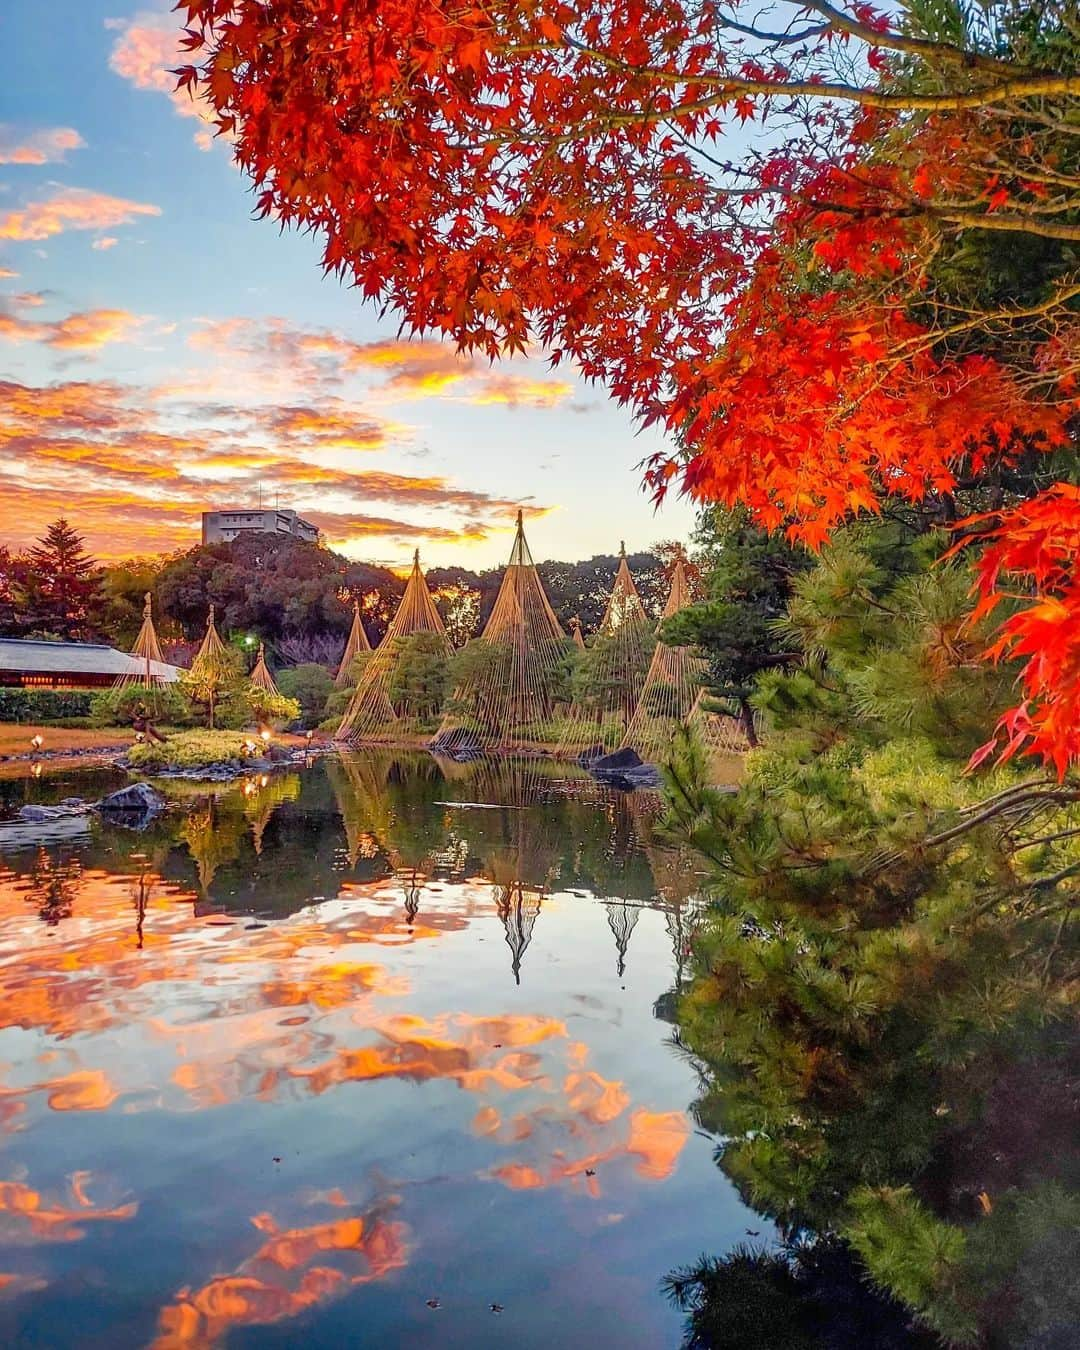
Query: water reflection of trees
[{"x": 524, "y": 827}]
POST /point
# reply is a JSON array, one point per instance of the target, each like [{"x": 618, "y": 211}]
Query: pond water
[{"x": 378, "y": 1053}]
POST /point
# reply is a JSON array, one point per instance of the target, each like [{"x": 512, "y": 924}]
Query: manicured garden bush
[
  {"x": 309, "y": 685},
  {"x": 117, "y": 707},
  {"x": 44, "y": 705},
  {"x": 189, "y": 750}
]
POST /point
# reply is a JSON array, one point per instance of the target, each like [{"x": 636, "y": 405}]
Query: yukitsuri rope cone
[
  {"x": 212, "y": 659},
  {"x": 575, "y": 633},
  {"x": 147, "y": 651},
  {"x": 718, "y": 733},
  {"x": 523, "y": 650},
  {"x": 260, "y": 676},
  {"x": 357, "y": 643},
  {"x": 371, "y": 715},
  {"x": 671, "y": 686},
  {"x": 622, "y": 920},
  {"x": 615, "y": 671}
]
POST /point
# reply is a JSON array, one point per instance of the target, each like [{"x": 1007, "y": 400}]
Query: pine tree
[
  {"x": 58, "y": 584},
  {"x": 748, "y": 583},
  {"x": 881, "y": 1000}
]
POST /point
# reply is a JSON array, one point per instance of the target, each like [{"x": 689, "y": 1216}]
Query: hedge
[{"x": 43, "y": 705}]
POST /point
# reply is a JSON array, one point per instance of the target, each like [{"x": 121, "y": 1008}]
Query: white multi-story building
[{"x": 220, "y": 527}]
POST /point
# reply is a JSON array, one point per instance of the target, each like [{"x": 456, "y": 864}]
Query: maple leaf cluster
[{"x": 735, "y": 230}]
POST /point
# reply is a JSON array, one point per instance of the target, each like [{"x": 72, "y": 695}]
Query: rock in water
[
  {"x": 35, "y": 814},
  {"x": 620, "y": 759},
  {"x": 140, "y": 799},
  {"x": 624, "y": 769}
]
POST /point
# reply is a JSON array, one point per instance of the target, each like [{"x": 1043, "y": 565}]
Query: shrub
[
  {"x": 44, "y": 705},
  {"x": 308, "y": 685},
  {"x": 117, "y": 707},
  {"x": 335, "y": 708},
  {"x": 266, "y": 707},
  {"x": 188, "y": 750}
]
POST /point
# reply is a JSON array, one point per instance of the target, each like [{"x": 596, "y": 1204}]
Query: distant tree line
[{"x": 294, "y": 595}]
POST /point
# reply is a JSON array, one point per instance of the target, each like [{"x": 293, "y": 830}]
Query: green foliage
[
  {"x": 599, "y": 674},
  {"x": 420, "y": 678},
  {"x": 881, "y": 984},
  {"x": 56, "y": 585},
  {"x": 188, "y": 750},
  {"x": 217, "y": 682},
  {"x": 259, "y": 705},
  {"x": 44, "y": 705},
  {"x": 748, "y": 580},
  {"x": 804, "y": 1296},
  {"x": 273, "y": 585},
  {"x": 309, "y": 685},
  {"x": 118, "y": 707},
  {"x": 335, "y": 708}
]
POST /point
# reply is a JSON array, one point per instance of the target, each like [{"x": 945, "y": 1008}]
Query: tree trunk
[{"x": 746, "y": 721}]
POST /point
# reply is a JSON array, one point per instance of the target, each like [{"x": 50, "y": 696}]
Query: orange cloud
[
  {"x": 48, "y": 146},
  {"x": 27, "y": 1215},
  {"x": 264, "y": 1291},
  {"x": 6, "y": 272},
  {"x": 77, "y": 332},
  {"x": 145, "y": 53},
  {"x": 106, "y": 241},
  {"x": 72, "y": 209},
  {"x": 519, "y": 391},
  {"x": 144, "y": 465}
]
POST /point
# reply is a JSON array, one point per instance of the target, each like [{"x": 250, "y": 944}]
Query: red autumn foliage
[{"x": 732, "y": 229}]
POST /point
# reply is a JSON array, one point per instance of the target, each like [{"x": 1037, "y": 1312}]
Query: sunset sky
[{"x": 161, "y": 353}]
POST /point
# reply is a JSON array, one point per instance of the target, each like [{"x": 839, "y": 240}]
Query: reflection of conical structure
[
  {"x": 671, "y": 686},
  {"x": 612, "y": 672},
  {"x": 371, "y": 716},
  {"x": 260, "y": 676},
  {"x": 53, "y": 885},
  {"x": 211, "y": 841},
  {"x": 518, "y": 907},
  {"x": 263, "y": 796},
  {"x": 679, "y": 879},
  {"x": 519, "y": 660},
  {"x": 622, "y": 920},
  {"x": 413, "y": 884},
  {"x": 150, "y": 670},
  {"x": 357, "y": 643},
  {"x": 359, "y": 786}
]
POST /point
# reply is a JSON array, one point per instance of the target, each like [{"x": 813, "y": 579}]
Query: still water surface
[{"x": 304, "y": 1059}]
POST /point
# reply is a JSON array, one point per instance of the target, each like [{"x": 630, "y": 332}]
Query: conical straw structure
[
  {"x": 611, "y": 674},
  {"x": 210, "y": 669},
  {"x": 260, "y": 676},
  {"x": 371, "y": 715},
  {"x": 212, "y": 646},
  {"x": 520, "y": 658},
  {"x": 147, "y": 652},
  {"x": 671, "y": 686},
  {"x": 575, "y": 633},
  {"x": 357, "y": 643}
]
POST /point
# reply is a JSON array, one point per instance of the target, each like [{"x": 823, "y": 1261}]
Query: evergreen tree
[
  {"x": 748, "y": 578},
  {"x": 881, "y": 999},
  {"x": 58, "y": 586}
]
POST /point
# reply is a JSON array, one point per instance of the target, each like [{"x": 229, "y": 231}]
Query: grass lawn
[{"x": 15, "y": 738}]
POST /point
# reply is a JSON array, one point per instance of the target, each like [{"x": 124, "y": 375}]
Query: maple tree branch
[
  {"x": 893, "y": 41},
  {"x": 1025, "y": 86},
  {"x": 1009, "y": 224}
]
